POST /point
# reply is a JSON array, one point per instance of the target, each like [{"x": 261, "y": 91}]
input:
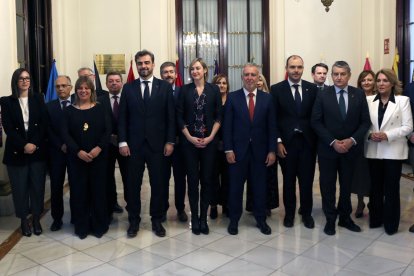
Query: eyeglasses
[
  {"x": 62, "y": 85},
  {"x": 26, "y": 79}
]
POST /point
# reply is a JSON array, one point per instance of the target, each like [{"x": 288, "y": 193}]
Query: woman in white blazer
[{"x": 386, "y": 148}]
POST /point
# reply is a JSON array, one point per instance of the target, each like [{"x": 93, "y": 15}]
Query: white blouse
[{"x": 24, "y": 106}]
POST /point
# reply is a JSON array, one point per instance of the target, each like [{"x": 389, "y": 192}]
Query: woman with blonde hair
[{"x": 386, "y": 148}]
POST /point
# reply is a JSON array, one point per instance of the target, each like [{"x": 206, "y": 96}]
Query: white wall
[{"x": 349, "y": 31}]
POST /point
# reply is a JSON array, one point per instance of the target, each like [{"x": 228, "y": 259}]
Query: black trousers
[
  {"x": 176, "y": 161},
  {"x": 384, "y": 198},
  {"x": 28, "y": 188},
  {"x": 113, "y": 156},
  {"x": 88, "y": 193},
  {"x": 58, "y": 163},
  {"x": 156, "y": 163},
  {"x": 238, "y": 172},
  {"x": 299, "y": 163},
  {"x": 200, "y": 171},
  {"x": 329, "y": 169},
  {"x": 221, "y": 180}
]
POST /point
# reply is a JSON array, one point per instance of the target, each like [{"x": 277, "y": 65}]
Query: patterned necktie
[
  {"x": 298, "y": 100},
  {"x": 251, "y": 105},
  {"x": 342, "y": 106},
  {"x": 64, "y": 104},
  {"x": 146, "y": 92},
  {"x": 115, "y": 107}
]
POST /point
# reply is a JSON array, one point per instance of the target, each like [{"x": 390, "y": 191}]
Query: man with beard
[
  {"x": 146, "y": 134},
  {"x": 296, "y": 146},
  {"x": 168, "y": 73}
]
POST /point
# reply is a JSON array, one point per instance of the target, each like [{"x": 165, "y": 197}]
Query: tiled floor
[{"x": 294, "y": 251}]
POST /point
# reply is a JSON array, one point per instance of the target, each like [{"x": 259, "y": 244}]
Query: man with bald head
[
  {"x": 88, "y": 72},
  {"x": 57, "y": 148}
]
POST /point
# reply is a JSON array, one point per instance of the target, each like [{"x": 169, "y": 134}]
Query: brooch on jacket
[{"x": 85, "y": 126}]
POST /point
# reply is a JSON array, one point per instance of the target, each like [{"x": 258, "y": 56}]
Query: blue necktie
[
  {"x": 64, "y": 103},
  {"x": 146, "y": 93},
  {"x": 342, "y": 106},
  {"x": 298, "y": 100}
]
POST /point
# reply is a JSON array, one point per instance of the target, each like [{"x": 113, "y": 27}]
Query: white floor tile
[
  {"x": 231, "y": 245},
  {"x": 89, "y": 241},
  {"x": 104, "y": 270},
  {"x": 199, "y": 240},
  {"x": 268, "y": 257},
  {"x": 203, "y": 259},
  {"x": 332, "y": 255},
  {"x": 171, "y": 248},
  {"x": 143, "y": 239},
  {"x": 374, "y": 265},
  {"x": 110, "y": 250},
  {"x": 48, "y": 252},
  {"x": 73, "y": 264},
  {"x": 305, "y": 266},
  {"x": 390, "y": 251},
  {"x": 239, "y": 267},
  {"x": 173, "y": 268},
  {"x": 139, "y": 262},
  {"x": 290, "y": 243},
  {"x": 13, "y": 263},
  {"x": 36, "y": 271},
  {"x": 348, "y": 241}
]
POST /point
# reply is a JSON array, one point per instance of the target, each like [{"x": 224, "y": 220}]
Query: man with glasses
[
  {"x": 340, "y": 118},
  {"x": 58, "y": 161}
]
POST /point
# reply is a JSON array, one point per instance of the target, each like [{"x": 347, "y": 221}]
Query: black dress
[{"x": 84, "y": 130}]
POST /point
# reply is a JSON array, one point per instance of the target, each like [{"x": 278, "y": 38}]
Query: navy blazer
[
  {"x": 409, "y": 92},
  {"x": 329, "y": 125},
  {"x": 55, "y": 116},
  {"x": 287, "y": 116},
  {"x": 106, "y": 102},
  {"x": 17, "y": 137},
  {"x": 185, "y": 107},
  {"x": 239, "y": 131},
  {"x": 154, "y": 124}
]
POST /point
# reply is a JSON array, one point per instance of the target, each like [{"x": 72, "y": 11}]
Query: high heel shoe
[
  {"x": 25, "y": 227},
  {"x": 204, "y": 227},
  {"x": 37, "y": 227},
  {"x": 359, "y": 212}
]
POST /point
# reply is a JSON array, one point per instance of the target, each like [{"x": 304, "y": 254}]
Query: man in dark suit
[
  {"x": 111, "y": 102},
  {"x": 319, "y": 74},
  {"x": 58, "y": 162},
  {"x": 146, "y": 134},
  {"x": 296, "y": 140},
  {"x": 340, "y": 118},
  {"x": 168, "y": 73},
  {"x": 249, "y": 136},
  {"x": 88, "y": 72}
]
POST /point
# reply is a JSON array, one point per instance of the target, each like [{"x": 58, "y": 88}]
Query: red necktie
[
  {"x": 115, "y": 107},
  {"x": 251, "y": 105}
]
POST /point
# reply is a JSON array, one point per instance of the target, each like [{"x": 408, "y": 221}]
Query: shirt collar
[
  {"x": 68, "y": 100},
  {"x": 119, "y": 95},
  {"x": 337, "y": 89},
  {"x": 292, "y": 83},
  {"x": 391, "y": 99},
  {"x": 150, "y": 80},
  {"x": 246, "y": 93}
]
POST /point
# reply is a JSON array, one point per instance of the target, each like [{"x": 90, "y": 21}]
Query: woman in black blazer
[
  {"x": 24, "y": 119},
  {"x": 199, "y": 117}
]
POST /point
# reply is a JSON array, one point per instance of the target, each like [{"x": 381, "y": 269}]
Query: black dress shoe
[
  {"x": 158, "y": 229},
  {"x": 82, "y": 236},
  {"x": 359, "y": 212},
  {"x": 182, "y": 216},
  {"x": 391, "y": 232},
  {"x": 411, "y": 229},
  {"x": 213, "y": 212},
  {"x": 264, "y": 228},
  {"x": 133, "y": 229},
  {"x": 329, "y": 228},
  {"x": 288, "y": 222},
  {"x": 308, "y": 222},
  {"x": 25, "y": 227},
  {"x": 350, "y": 225},
  {"x": 233, "y": 228},
  {"x": 56, "y": 225},
  {"x": 374, "y": 224},
  {"x": 117, "y": 209},
  {"x": 37, "y": 228},
  {"x": 204, "y": 227},
  {"x": 195, "y": 226}
]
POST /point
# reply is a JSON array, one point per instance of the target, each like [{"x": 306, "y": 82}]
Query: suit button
[
  {"x": 17, "y": 128},
  {"x": 35, "y": 124},
  {"x": 15, "y": 152}
]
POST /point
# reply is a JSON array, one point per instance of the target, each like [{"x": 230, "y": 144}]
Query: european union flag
[{"x": 51, "y": 90}]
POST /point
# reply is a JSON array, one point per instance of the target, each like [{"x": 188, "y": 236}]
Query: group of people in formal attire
[{"x": 214, "y": 141}]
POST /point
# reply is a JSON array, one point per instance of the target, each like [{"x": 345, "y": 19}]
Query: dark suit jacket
[
  {"x": 185, "y": 107},
  {"x": 409, "y": 92},
  {"x": 17, "y": 137},
  {"x": 329, "y": 125},
  {"x": 239, "y": 132},
  {"x": 100, "y": 93},
  {"x": 287, "y": 116},
  {"x": 106, "y": 102},
  {"x": 154, "y": 124},
  {"x": 55, "y": 116}
]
